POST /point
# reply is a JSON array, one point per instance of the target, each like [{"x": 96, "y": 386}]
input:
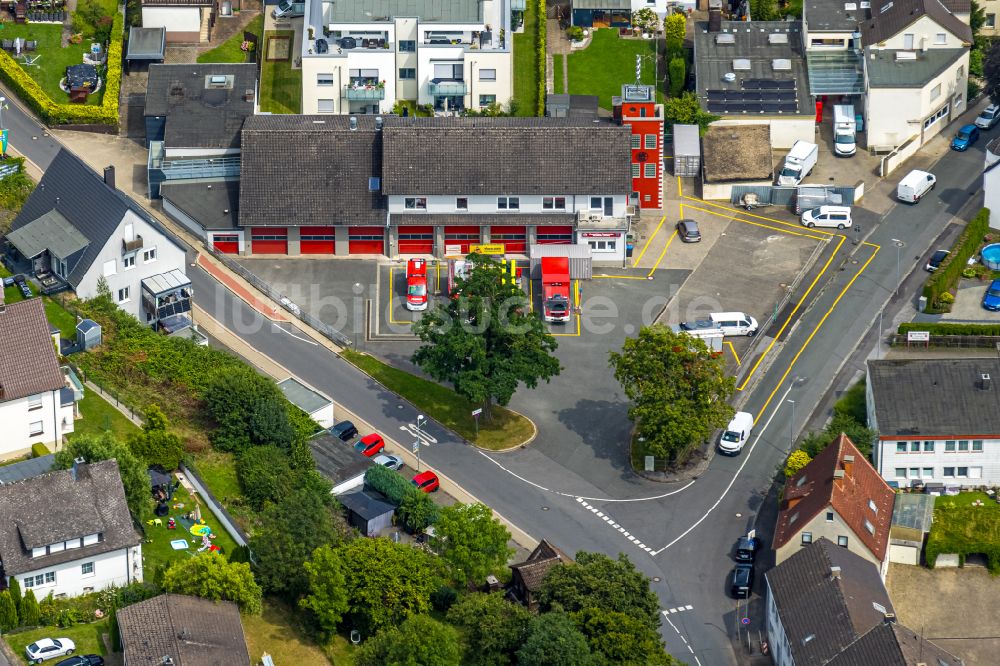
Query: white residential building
[
  {"x": 69, "y": 532},
  {"x": 361, "y": 57}
]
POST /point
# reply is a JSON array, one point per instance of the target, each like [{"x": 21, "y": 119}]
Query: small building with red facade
[{"x": 637, "y": 109}]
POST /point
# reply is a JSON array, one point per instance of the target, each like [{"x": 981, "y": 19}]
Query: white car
[
  {"x": 390, "y": 461},
  {"x": 49, "y": 648},
  {"x": 837, "y": 217},
  {"x": 989, "y": 117}
]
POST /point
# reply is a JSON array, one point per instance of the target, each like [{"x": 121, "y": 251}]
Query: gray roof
[
  {"x": 364, "y": 505},
  {"x": 200, "y": 115},
  {"x": 884, "y": 71},
  {"x": 484, "y": 219},
  {"x": 337, "y": 460},
  {"x": 834, "y": 612},
  {"x": 505, "y": 156},
  {"x": 436, "y": 11},
  {"x": 958, "y": 6},
  {"x": 935, "y": 397},
  {"x": 161, "y": 282},
  {"x": 318, "y": 163},
  {"x": 189, "y": 630},
  {"x": 51, "y": 232},
  {"x": 832, "y": 16},
  {"x": 573, "y": 106},
  {"x": 900, "y": 14},
  {"x": 305, "y": 398},
  {"x": 211, "y": 202},
  {"x": 892, "y": 644},
  {"x": 26, "y": 469},
  {"x": 57, "y": 507},
  {"x": 146, "y": 43},
  {"x": 712, "y": 60},
  {"x": 81, "y": 196},
  {"x": 28, "y": 363}
]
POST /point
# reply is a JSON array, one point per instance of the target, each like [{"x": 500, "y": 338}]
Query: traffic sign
[
  {"x": 477, "y": 412},
  {"x": 416, "y": 446},
  {"x": 745, "y": 620}
]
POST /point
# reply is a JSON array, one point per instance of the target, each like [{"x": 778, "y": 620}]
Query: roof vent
[
  {"x": 777, "y": 38},
  {"x": 878, "y": 607},
  {"x": 741, "y": 65},
  {"x": 725, "y": 38},
  {"x": 729, "y": 77},
  {"x": 906, "y": 55},
  {"x": 379, "y": 122},
  {"x": 850, "y": 6},
  {"x": 834, "y": 573},
  {"x": 808, "y": 638},
  {"x": 886, "y": 7},
  {"x": 353, "y": 123},
  {"x": 889, "y": 618},
  {"x": 781, "y": 65}
]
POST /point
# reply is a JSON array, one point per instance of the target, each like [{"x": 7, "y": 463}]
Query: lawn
[
  {"x": 218, "y": 471},
  {"x": 86, "y": 636},
  {"x": 960, "y": 527},
  {"x": 275, "y": 633},
  {"x": 280, "y": 85},
  {"x": 558, "y": 80},
  {"x": 602, "y": 68},
  {"x": 229, "y": 50},
  {"x": 99, "y": 416},
  {"x": 52, "y": 58},
  {"x": 447, "y": 407},
  {"x": 526, "y": 63}
]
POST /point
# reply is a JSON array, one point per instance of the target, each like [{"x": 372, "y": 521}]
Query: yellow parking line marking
[
  {"x": 755, "y": 215},
  {"x": 392, "y": 296},
  {"x": 811, "y": 335},
  {"x": 649, "y": 240},
  {"x": 736, "y": 216},
  {"x": 792, "y": 313},
  {"x": 662, "y": 254},
  {"x": 735, "y": 355}
]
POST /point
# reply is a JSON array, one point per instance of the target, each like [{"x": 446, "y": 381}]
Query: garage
[
  {"x": 514, "y": 239},
  {"x": 226, "y": 243},
  {"x": 317, "y": 240},
  {"x": 555, "y": 235},
  {"x": 416, "y": 240},
  {"x": 459, "y": 238},
  {"x": 269, "y": 240},
  {"x": 366, "y": 240}
]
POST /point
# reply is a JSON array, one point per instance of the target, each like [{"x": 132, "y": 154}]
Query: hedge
[
  {"x": 28, "y": 90},
  {"x": 38, "y": 450},
  {"x": 942, "y": 539},
  {"x": 389, "y": 483},
  {"x": 946, "y": 277},
  {"x": 540, "y": 47},
  {"x": 950, "y": 329}
]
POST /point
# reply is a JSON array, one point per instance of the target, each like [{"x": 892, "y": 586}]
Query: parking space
[
  {"x": 393, "y": 317},
  {"x": 968, "y": 305}
]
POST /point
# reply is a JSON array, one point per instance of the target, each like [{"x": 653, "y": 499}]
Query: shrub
[
  {"x": 946, "y": 277},
  {"x": 944, "y": 328},
  {"x": 575, "y": 33},
  {"x": 947, "y": 298},
  {"x": 852, "y": 403},
  {"x": 30, "y": 616},
  {"x": 675, "y": 29},
  {"x": 8, "y": 613},
  {"x": 417, "y": 511},
  {"x": 796, "y": 461},
  {"x": 443, "y": 598},
  {"x": 678, "y": 75},
  {"x": 265, "y": 475},
  {"x": 387, "y": 482},
  {"x": 38, "y": 450}
]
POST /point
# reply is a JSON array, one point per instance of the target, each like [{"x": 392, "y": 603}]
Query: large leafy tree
[
  {"x": 616, "y": 638},
  {"x": 133, "y": 470},
  {"x": 210, "y": 576},
  {"x": 686, "y": 110},
  {"x": 328, "y": 597},
  {"x": 484, "y": 341},
  {"x": 991, "y": 71},
  {"x": 554, "y": 640},
  {"x": 250, "y": 410},
  {"x": 155, "y": 444},
  {"x": 678, "y": 390},
  {"x": 472, "y": 543},
  {"x": 30, "y": 613},
  {"x": 8, "y": 614},
  {"x": 419, "y": 641},
  {"x": 493, "y": 627},
  {"x": 265, "y": 475}
]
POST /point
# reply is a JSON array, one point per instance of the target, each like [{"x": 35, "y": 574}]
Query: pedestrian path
[{"x": 234, "y": 285}]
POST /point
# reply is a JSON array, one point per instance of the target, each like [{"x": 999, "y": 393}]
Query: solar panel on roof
[
  {"x": 787, "y": 96},
  {"x": 716, "y": 95},
  {"x": 716, "y": 107},
  {"x": 755, "y": 107},
  {"x": 771, "y": 107},
  {"x": 785, "y": 84},
  {"x": 770, "y": 95},
  {"x": 787, "y": 107}
]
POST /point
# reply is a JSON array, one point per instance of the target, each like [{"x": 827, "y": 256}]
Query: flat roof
[
  {"x": 918, "y": 67},
  {"x": 213, "y": 203},
  {"x": 146, "y": 43},
  {"x": 337, "y": 460},
  {"x": 737, "y": 153},
  {"x": 437, "y": 11},
  {"x": 834, "y": 15},
  {"x": 51, "y": 232},
  {"x": 27, "y": 469},
  {"x": 307, "y": 399}
]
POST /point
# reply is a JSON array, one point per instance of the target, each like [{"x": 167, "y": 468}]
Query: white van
[
  {"x": 736, "y": 434},
  {"x": 915, "y": 185},
  {"x": 837, "y": 217},
  {"x": 735, "y": 323}
]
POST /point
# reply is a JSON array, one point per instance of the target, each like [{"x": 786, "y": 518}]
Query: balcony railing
[
  {"x": 448, "y": 88},
  {"x": 365, "y": 93}
]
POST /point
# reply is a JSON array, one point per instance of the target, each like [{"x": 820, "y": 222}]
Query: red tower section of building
[{"x": 637, "y": 108}]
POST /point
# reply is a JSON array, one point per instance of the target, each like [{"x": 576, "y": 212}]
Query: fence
[
  {"x": 109, "y": 395},
  {"x": 215, "y": 506},
  {"x": 281, "y": 299},
  {"x": 951, "y": 341}
]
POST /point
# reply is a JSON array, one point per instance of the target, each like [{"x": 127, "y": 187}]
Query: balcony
[
  {"x": 166, "y": 298},
  {"x": 438, "y": 87},
  {"x": 363, "y": 92}
]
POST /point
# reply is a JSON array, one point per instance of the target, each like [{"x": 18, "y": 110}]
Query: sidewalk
[{"x": 270, "y": 311}]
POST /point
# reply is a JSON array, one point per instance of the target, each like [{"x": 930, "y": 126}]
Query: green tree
[
  {"x": 597, "y": 581},
  {"x": 554, "y": 640},
  {"x": 493, "y": 628},
  {"x": 155, "y": 444},
  {"x": 265, "y": 475},
  {"x": 114, "y": 632},
  {"x": 250, "y": 410},
  {"x": 645, "y": 19},
  {"x": 30, "y": 613},
  {"x": 328, "y": 597},
  {"x": 991, "y": 72},
  {"x": 210, "y": 576},
  {"x": 796, "y": 460},
  {"x": 675, "y": 30},
  {"x": 862, "y": 437},
  {"x": 94, "y": 448},
  {"x": 616, "y": 638},
  {"x": 686, "y": 110},
  {"x": 977, "y": 18},
  {"x": 419, "y": 641},
  {"x": 8, "y": 614},
  {"x": 471, "y": 542},
  {"x": 417, "y": 510},
  {"x": 485, "y": 342},
  {"x": 764, "y": 10},
  {"x": 677, "y": 70},
  {"x": 678, "y": 390},
  {"x": 15, "y": 594},
  {"x": 103, "y": 290}
]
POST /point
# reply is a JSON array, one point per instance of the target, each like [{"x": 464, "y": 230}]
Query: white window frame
[
  {"x": 324, "y": 79},
  {"x": 462, "y": 203},
  {"x": 649, "y": 170},
  {"x": 650, "y": 142},
  {"x": 34, "y": 402},
  {"x": 636, "y": 141},
  {"x": 900, "y": 472},
  {"x": 324, "y": 106},
  {"x": 508, "y": 203},
  {"x": 636, "y": 170},
  {"x": 35, "y": 428},
  {"x": 110, "y": 267},
  {"x": 149, "y": 256},
  {"x": 807, "y": 538},
  {"x": 940, "y": 38},
  {"x": 484, "y": 74},
  {"x": 415, "y": 203},
  {"x": 843, "y": 539},
  {"x": 124, "y": 294},
  {"x": 128, "y": 262},
  {"x": 84, "y": 572}
]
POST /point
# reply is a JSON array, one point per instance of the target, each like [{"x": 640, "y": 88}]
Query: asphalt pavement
[{"x": 26, "y": 135}]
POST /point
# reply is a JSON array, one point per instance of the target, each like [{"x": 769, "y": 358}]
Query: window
[
  {"x": 364, "y": 76},
  {"x": 650, "y": 169},
  {"x": 962, "y": 472},
  {"x": 928, "y": 447},
  {"x": 149, "y": 255},
  {"x": 872, "y": 506},
  {"x": 50, "y": 577},
  {"x": 554, "y": 203},
  {"x": 940, "y": 38},
  {"x": 900, "y": 447},
  {"x": 595, "y": 203},
  {"x": 128, "y": 261},
  {"x": 928, "y": 473},
  {"x": 941, "y": 113},
  {"x": 842, "y": 541},
  {"x": 963, "y": 445},
  {"x": 636, "y": 170},
  {"x": 900, "y": 472},
  {"x": 991, "y": 20},
  {"x": 829, "y": 516},
  {"x": 407, "y": 45},
  {"x": 447, "y": 71},
  {"x": 407, "y": 73},
  {"x": 487, "y": 74},
  {"x": 462, "y": 203},
  {"x": 110, "y": 267},
  {"x": 915, "y": 447},
  {"x": 908, "y": 41},
  {"x": 948, "y": 473},
  {"x": 636, "y": 142},
  {"x": 324, "y": 79},
  {"x": 914, "y": 472},
  {"x": 650, "y": 141},
  {"x": 415, "y": 203},
  {"x": 508, "y": 203},
  {"x": 603, "y": 246},
  {"x": 34, "y": 402},
  {"x": 869, "y": 526},
  {"x": 977, "y": 445},
  {"x": 949, "y": 446},
  {"x": 35, "y": 428},
  {"x": 935, "y": 92},
  {"x": 123, "y": 295},
  {"x": 486, "y": 100},
  {"x": 324, "y": 106},
  {"x": 91, "y": 539},
  {"x": 807, "y": 538},
  {"x": 87, "y": 569}
]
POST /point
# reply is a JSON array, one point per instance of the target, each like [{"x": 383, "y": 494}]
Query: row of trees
[{"x": 17, "y": 611}]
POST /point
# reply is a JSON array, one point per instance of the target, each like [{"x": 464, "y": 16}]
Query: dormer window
[{"x": 39, "y": 552}]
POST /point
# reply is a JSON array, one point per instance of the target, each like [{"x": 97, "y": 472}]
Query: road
[
  {"x": 25, "y": 134},
  {"x": 681, "y": 535}
]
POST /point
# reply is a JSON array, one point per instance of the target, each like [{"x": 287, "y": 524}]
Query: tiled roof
[
  {"x": 189, "y": 630},
  {"x": 542, "y": 558},
  {"x": 28, "y": 362},
  {"x": 59, "y": 506},
  {"x": 935, "y": 397},
  {"x": 893, "y": 17},
  {"x": 815, "y": 488},
  {"x": 892, "y": 644},
  {"x": 958, "y": 6}
]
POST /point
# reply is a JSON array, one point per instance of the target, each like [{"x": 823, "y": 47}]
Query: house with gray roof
[
  {"x": 938, "y": 421},
  {"x": 69, "y": 532}
]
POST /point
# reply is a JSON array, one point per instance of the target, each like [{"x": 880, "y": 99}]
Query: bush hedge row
[
  {"x": 540, "y": 48},
  {"x": 942, "y": 540},
  {"x": 28, "y": 90},
  {"x": 950, "y": 329},
  {"x": 38, "y": 450},
  {"x": 389, "y": 483},
  {"x": 950, "y": 271}
]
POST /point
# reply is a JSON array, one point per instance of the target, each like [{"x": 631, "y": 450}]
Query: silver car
[
  {"x": 390, "y": 461},
  {"x": 989, "y": 117}
]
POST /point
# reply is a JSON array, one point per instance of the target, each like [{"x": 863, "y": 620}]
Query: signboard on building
[
  {"x": 600, "y": 234},
  {"x": 453, "y": 250},
  {"x": 487, "y": 248},
  {"x": 918, "y": 336}
]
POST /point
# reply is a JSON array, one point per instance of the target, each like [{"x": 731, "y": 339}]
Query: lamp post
[
  {"x": 3, "y": 100},
  {"x": 791, "y": 426},
  {"x": 899, "y": 246},
  {"x": 421, "y": 420}
]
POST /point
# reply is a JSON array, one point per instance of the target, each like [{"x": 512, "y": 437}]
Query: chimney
[
  {"x": 984, "y": 381},
  {"x": 834, "y": 573},
  {"x": 889, "y": 618},
  {"x": 109, "y": 176},
  {"x": 849, "y": 466},
  {"x": 353, "y": 123},
  {"x": 76, "y": 468},
  {"x": 378, "y": 123}
]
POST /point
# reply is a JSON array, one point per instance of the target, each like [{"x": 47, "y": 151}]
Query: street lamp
[
  {"x": 2, "y": 101},
  {"x": 899, "y": 246},
  {"x": 421, "y": 420},
  {"x": 791, "y": 426}
]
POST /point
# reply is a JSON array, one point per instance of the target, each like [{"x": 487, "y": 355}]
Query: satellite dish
[{"x": 729, "y": 77}]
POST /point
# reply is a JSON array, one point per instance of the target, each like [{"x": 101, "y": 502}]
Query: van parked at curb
[
  {"x": 835, "y": 217},
  {"x": 915, "y": 185},
  {"x": 736, "y": 434},
  {"x": 734, "y": 323}
]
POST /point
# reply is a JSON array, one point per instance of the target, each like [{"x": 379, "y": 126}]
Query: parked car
[
  {"x": 915, "y": 185},
  {"x": 426, "y": 481},
  {"x": 991, "y": 299},
  {"x": 390, "y": 461},
  {"x": 966, "y": 136},
  {"x": 746, "y": 549},
  {"x": 370, "y": 445},
  {"x": 742, "y": 585},
  {"x": 83, "y": 660},
  {"x": 688, "y": 231},
  {"x": 935, "y": 260},
  {"x": 49, "y": 648},
  {"x": 344, "y": 431},
  {"x": 838, "y": 217},
  {"x": 989, "y": 117}
]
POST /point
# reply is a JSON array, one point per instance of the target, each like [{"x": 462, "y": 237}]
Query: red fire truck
[{"x": 555, "y": 289}]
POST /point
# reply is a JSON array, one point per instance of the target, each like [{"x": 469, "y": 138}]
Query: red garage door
[
  {"x": 317, "y": 240},
  {"x": 463, "y": 236},
  {"x": 416, "y": 240},
  {"x": 555, "y": 235},
  {"x": 226, "y": 243},
  {"x": 366, "y": 240},
  {"x": 514, "y": 239},
  {"x": 269, "y": 240}
]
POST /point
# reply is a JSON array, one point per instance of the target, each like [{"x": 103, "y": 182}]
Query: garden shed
[{"x": 366, "y": 512}]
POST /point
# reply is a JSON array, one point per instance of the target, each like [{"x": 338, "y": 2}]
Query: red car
[
  {"x": 426, "y": 481},
  {"x": 370, "y": 445}
]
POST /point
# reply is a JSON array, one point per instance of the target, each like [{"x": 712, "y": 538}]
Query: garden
[
  {"x": 280, "y": 85},
  {"x": 966, "y": 524},
  {"x": 609, "y": 61},
  {"x": 234, "y": 49}
]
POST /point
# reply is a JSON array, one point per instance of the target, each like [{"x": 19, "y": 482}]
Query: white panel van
[
  {"x": 735, "y": 323},
  {"x": 736, "y": 434},
  {"x": 915, "y": 185}
]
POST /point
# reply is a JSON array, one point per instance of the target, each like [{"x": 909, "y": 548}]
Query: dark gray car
[{"x": 688, "y": 231}]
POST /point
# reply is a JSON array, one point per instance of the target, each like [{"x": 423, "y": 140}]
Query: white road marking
[
  {"x": 419, "y": 434},
  {"x": 297, "y": 337},
  {"x": 666, "y": 616}
]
